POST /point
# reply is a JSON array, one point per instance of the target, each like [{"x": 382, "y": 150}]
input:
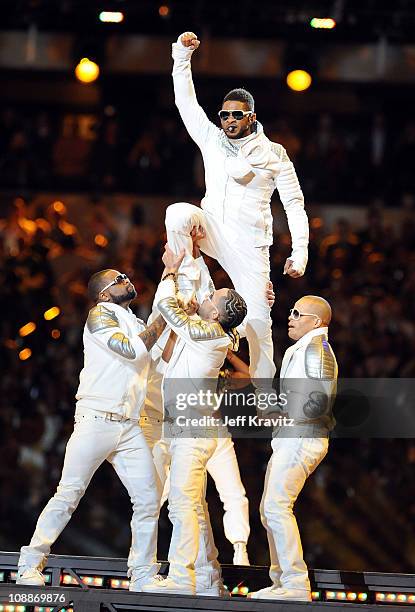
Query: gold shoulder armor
[
  {"x": 100, "y": 318},
  {"x": 320, "y": 361},
  {"x": 172, "y": 312},
  {"x": 120, "y": 344},
  {"x": 205, "y": 330}
]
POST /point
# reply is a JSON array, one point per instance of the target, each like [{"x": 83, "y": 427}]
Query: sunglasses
[
  {"x": 117, "y": 280},
  {"x": 296, "y": 314},
  {"x": 236, "y": 114}
]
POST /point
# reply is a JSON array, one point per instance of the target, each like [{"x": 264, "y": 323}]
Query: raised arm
[
  {"x": 193, "y": 330},
  {"x": 105, "y": 329},
  {"x": 194, "y": 117}
]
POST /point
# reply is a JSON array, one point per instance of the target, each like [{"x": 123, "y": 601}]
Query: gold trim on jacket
[
  {"x": 320, "y": 362},
  {"x": 120, "y": 344},
  {"x": 100, "y": 318},
  {"x": 198, "y": 329}
]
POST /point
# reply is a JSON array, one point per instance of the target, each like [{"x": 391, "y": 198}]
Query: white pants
[
  {"x": 93, "y": 441},
  {"x": 193, "y": 556},
  {"x": 291, "y": 463},
  {"x": 247, "y": 266},
  {"x": 223, "y": 468}
]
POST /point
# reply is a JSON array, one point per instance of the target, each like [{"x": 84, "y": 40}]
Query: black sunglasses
[
  {"x": 118, "y": 279},
  {"x": 236, "y": 114}
]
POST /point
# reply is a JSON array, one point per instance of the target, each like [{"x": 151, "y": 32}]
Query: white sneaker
[
  {"x": 137, "y": 583},
  {"x": 281, "y": 594},
  {"x": 240, "y": 555},
  {"x": 262, "y": 593},
  {"x": 166, "y": 585},
  {"x": 30, "y": 576}
]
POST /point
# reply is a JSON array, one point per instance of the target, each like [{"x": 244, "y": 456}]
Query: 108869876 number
[{"x": 30, "y": 598}]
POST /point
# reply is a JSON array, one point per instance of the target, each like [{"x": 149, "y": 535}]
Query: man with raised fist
[{"x": 242, "y": 169}]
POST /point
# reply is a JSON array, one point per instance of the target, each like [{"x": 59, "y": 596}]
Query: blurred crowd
[
  {"x": 338, "y": 157},
  {"x": 368, "y": 275}
]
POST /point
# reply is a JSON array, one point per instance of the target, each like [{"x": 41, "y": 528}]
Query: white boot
[
  {"x": 30, "y": 576},
  {"x": 240, "y": 555}
]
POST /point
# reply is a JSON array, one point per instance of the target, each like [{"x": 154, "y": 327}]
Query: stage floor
[{"x": 98, "y": 584}]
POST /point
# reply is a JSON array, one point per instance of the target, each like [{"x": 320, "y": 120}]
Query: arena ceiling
[{"x": 357, "y": 20}]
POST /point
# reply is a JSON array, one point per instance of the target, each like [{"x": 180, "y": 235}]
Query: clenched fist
[{"x": 190, "y": 40}]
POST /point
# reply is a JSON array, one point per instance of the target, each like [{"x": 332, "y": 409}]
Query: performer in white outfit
[
  {"x": 223, "y": 465},
  {"x": 309, "y": 377},
  {"x": 242, "y": 169},
  {"x": 111, "y": 392},
  {"x": 192, "y": 359}
]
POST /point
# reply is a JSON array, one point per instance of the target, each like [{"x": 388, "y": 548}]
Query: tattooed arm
[{"x": 153, "y": 332}]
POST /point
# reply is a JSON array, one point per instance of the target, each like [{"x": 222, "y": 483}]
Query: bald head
[{"x": 317, "y": 305}]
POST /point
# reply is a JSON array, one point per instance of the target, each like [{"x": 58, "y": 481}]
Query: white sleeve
[
  {"x": 205, "y": 285},
  {"x": 194, "y": 117},
  {"x": 293, "y": 201}
]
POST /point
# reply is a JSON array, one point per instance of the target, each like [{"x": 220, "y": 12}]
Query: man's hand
[
  {"x": 190, "y": 40},
  {"x": 290, "y": 270},
  {"x": 197, "y": 234},
  {"x": 171, "y": 260},
  {"x": 191, "y": 307},
  {"x": 269, "y": 294}
]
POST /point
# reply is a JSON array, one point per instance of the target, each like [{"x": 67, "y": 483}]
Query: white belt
[{"x": 106, "y": 416}]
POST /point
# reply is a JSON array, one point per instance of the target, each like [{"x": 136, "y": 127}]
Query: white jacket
[
  {"x": 116, "y": 362},
  {"x": 241, "y": 174},
  {"x": 309, "y": 378},
  {"x": 198, "y": 355}
]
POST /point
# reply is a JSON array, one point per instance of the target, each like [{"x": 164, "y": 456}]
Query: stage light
[
  {"x": 96, "y": 581},
  {"x": 111, "y": 16},
  {"x": 52, "y": 313},
  {"x": 59, "y": 207},
  {"x": 315, "y": 595},
  {"x": 117, "y": 583},
  {"x": 299, "y": 80},
  {"x": 27, "y": 225},
  {"x": 27, "y": 329},
  {"x": 25, "y": 354},
  {"x": 43, "y": 224},
  {"x": 351, "y": 596},
  {"x": 55, "y": 333},
  {"x": 323, "y": 24},
  {"x": 12, "y": 608},
  {"x": 362, "y": 597},
  {"x": 68, "y": 579},
  {"x": 87, "y": 71},
  {"x": 100, "y": 240},
  {"x": 164, "y": 11},
  {"x": 67, "y": 228}
]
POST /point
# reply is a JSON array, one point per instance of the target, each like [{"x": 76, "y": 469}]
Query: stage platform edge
[{"x": 100, "y": 584}]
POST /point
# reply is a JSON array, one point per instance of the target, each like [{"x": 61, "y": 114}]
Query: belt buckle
[{"x": 113, "y": 416}]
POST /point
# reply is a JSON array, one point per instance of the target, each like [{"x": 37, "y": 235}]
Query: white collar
[
  {"x": 307, "y": 337},
  {"x": 241, "y": 141}
]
